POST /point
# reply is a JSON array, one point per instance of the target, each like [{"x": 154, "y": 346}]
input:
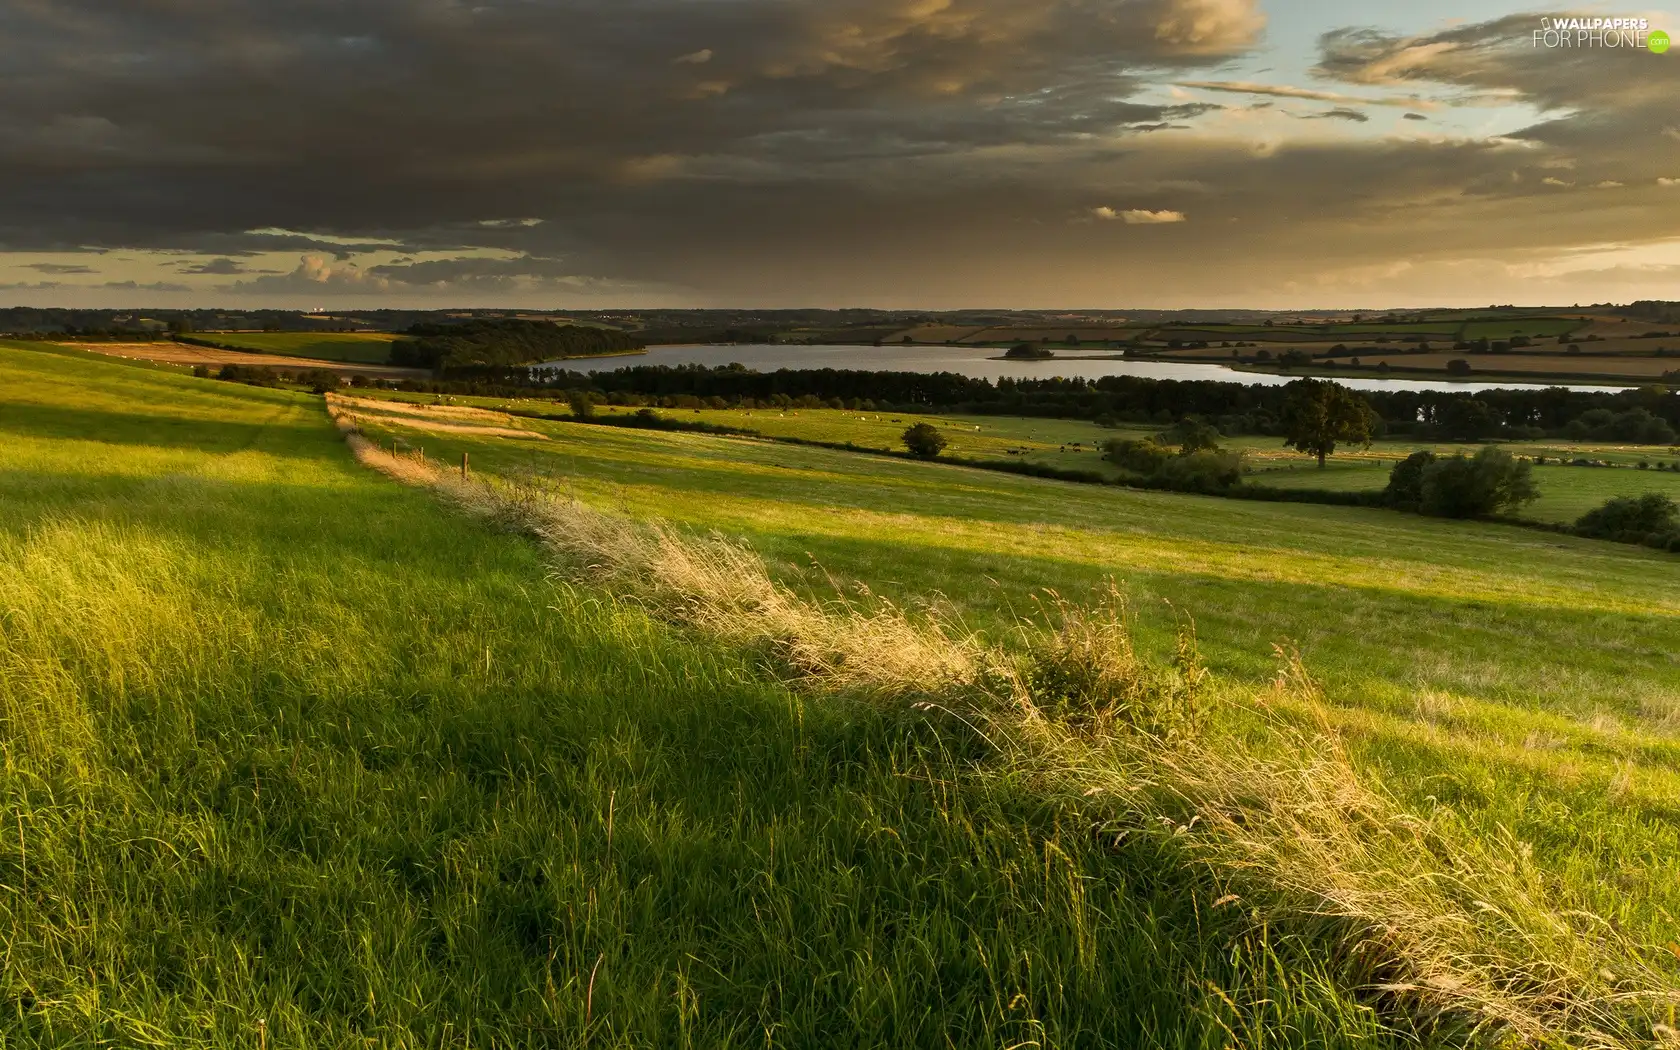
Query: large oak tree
[{"x": 1318, "y": 415}]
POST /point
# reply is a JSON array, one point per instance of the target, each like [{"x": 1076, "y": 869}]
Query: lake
[{"x": 984, "y": 363}]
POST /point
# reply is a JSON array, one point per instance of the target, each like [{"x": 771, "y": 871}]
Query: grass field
[
  {"x": 299, "y": 754},
  {"x": 368, "y": 348},
  {"x": 1532, "y": 679},
  {"x": 296, "y": 756},
  {"x": 1485, "y": 328}
]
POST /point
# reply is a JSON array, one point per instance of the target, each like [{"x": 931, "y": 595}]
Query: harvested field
[
  {"x": 1618, "y": 367},
  {"x": 436, "y": 419}
]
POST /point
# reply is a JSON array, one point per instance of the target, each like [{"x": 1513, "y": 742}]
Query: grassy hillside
[
  {"x": 1527, "y": 680},
  {"x": 298, "y": 754},
  {"x": 294, "y": 755},
  {"x": 367, "y": 348}
]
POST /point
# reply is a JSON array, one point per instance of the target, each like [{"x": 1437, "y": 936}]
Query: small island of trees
[{"x": 1028, "y": 352}]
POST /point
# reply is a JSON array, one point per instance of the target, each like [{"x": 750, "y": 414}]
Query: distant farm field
[
  {"x": 370, "y": 348},
  {"x": 1562, "y": 366},
  {"x": 189, "y": 355}
]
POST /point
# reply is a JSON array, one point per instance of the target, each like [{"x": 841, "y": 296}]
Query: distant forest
[
  {"x": 1643, "y": 415},
  {"x": 504, "y": 343}
]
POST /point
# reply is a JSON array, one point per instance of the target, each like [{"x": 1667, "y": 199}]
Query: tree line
[
  {"x": 1644, "y": 415},
  {"x": 492, "y": 346}
]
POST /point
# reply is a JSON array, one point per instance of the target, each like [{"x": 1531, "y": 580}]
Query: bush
[
  {"x": 924, "y": 440},
  {"x": 1203, "y": 471},
  {"x": 320, "y": 380},
  {"x": 1463, "y": 486},
  {"x": 1631, "y": 519},
  {"x": 1405, "y": 481},
  {"x": 581, "y": 404},
  {"x": 1140, "y": 457},
  {"x": 249, "y": 375}
]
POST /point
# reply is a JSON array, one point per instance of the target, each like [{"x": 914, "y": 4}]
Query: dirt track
[{"x": 182, "y": 354}]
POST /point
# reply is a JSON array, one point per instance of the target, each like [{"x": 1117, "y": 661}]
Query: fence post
[{"x": 463, "y": 466}]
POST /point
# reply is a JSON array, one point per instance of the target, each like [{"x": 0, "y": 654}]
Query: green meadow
[
  {"x": 298, "y": 755},
  {"x": 362, "y": 348},
  {"x": 1532, "y": 678}
]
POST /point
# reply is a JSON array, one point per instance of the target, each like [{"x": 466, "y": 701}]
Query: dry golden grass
[{"x": 436, "y": 419}]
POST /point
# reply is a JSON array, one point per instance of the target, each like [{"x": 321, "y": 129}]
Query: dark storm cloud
[
  {"x": 221, "y": 267},
  {"x": 1339, "y": 113},
  {"x": 455, "y": 271},
  {"x": 889, "y": 151},
  {"x": 1603, "y": 107},
  {"x": 422, "y": 124},
  {"x": 147, "y": 286}
]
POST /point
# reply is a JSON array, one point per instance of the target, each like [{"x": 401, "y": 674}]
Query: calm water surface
[{"x": 983, "y": 363}]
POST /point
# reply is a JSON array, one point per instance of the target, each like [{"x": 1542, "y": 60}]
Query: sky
[{"x": 916, "y": 154}]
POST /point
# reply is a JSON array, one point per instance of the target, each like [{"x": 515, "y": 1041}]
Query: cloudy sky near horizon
[{"x": 892, "y": 153}]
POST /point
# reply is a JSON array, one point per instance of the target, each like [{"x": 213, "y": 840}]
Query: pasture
[
  {"x": 300, "y": 755},
  {"x": 1531, "y": 679},
  {"x": 295, "y": 755},
  {"x": 367, "y": 348}
]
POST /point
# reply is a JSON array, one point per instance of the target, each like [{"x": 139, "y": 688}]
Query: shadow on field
[{"x": 160, "y": 429}]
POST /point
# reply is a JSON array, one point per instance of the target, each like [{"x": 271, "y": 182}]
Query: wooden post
[{"x": 463, "y": 466}]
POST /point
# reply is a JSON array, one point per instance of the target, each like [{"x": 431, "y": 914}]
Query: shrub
[
  {"x": 1463, "y": 486},
  {"x": 582, "y": 406},
  {"x": 248, "y": 374},
  {"x": 1140, "y": 457},
  {"x": 320, "y": 380},
  {"x": 924, "y": 440},
  {"x": 1405, "y": 481},
  {"x": 1203, "y": 471},
  {"x": 1631, "y": 519}
]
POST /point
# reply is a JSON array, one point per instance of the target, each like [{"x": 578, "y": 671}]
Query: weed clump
[{"x": 1086, "y": 672}]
